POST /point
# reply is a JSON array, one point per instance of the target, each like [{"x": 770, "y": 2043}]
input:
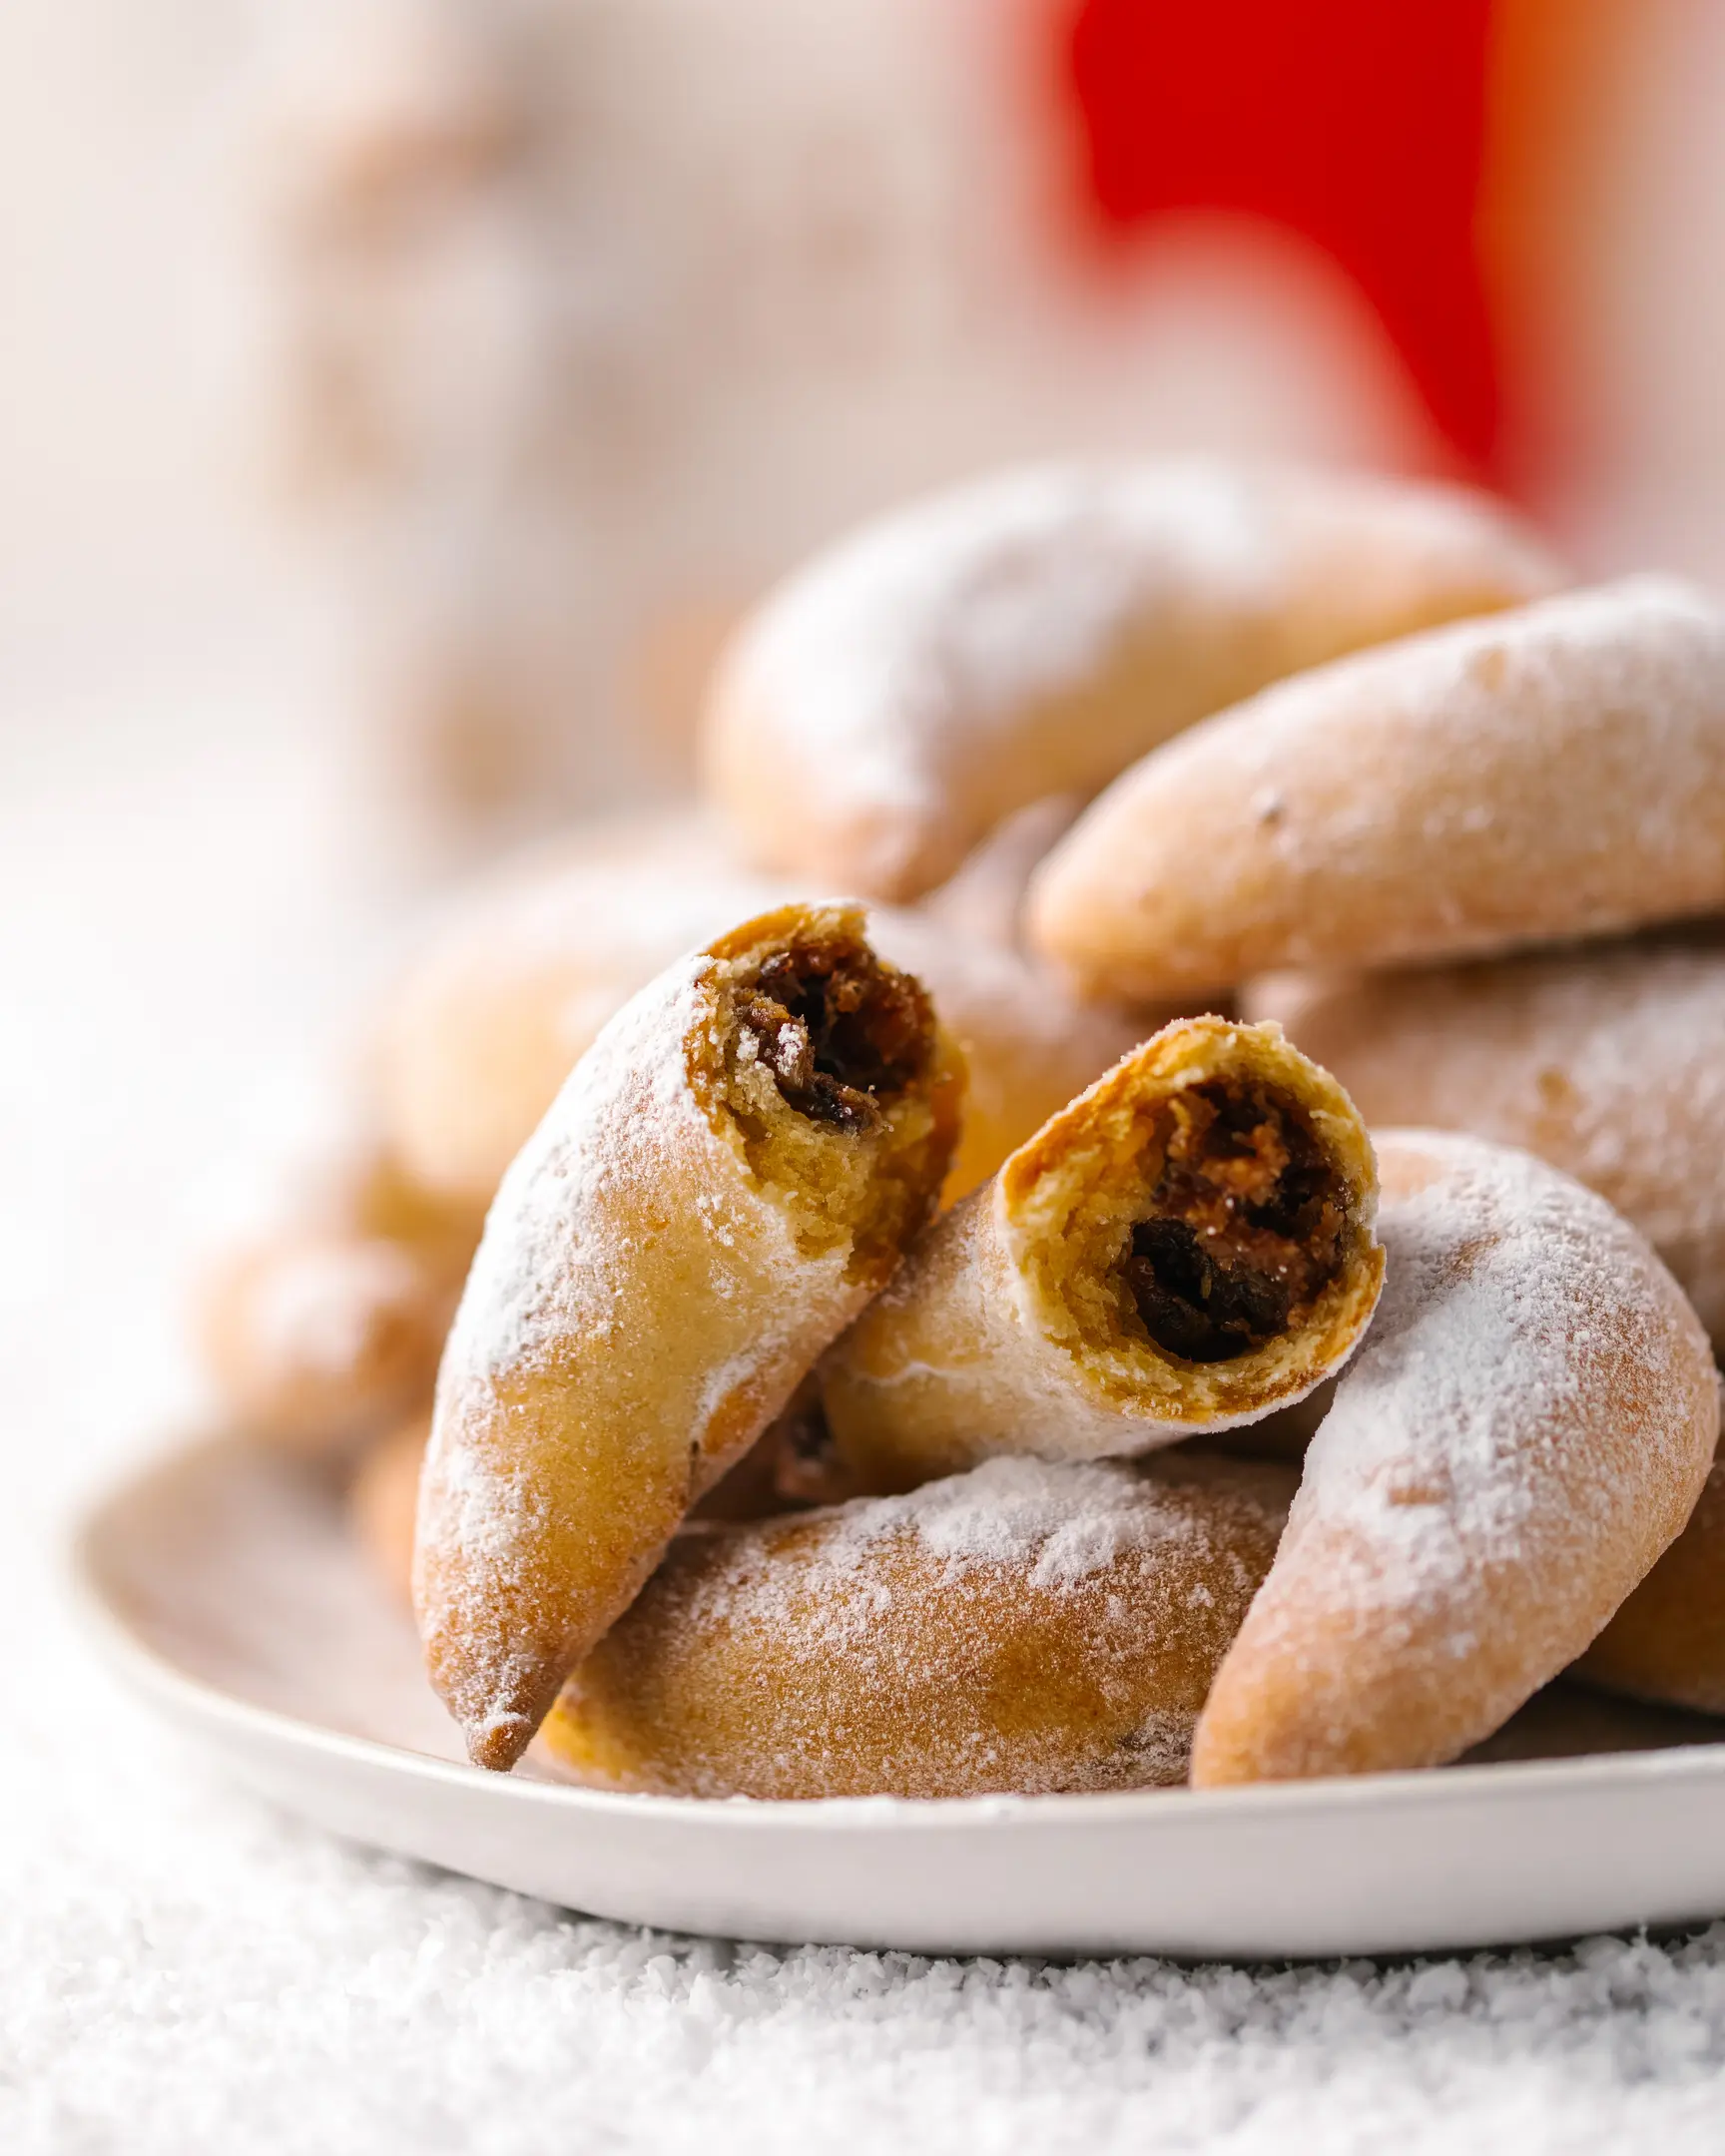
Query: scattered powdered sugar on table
[
  {"x": 222, "y": 1978},
  {"x": 182, "y": 1969}
]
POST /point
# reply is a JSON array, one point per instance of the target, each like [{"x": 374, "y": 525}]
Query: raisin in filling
[
  {"x": 842, "y": 1035},
  {"x": 1248, "y": 1227}
]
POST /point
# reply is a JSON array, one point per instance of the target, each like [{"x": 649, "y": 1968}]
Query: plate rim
[{"x": 125, "y": 1649}]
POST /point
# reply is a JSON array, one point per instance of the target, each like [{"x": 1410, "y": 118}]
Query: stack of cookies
[{"x": 1285, "y": 1012}]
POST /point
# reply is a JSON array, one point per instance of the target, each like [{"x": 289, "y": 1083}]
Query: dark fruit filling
[
  {"x": 1248, "y": 1227},
  {"x": 842, "y": 1035}
]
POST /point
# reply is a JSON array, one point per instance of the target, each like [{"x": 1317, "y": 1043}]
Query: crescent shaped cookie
[
  {"x": 383, "y": 1496},
  {"x": 1552, "y": 773},
  {"x": 1024, "y": 1627},
  {"x": 1608, "y": 1061},
  {"x": 984, "y": 895},
  {"x": 317, "y": 1338},
  {"x": 513, "y": 988},
  {"x": 515, "y": 982},
  {"x": 730, "y": 1173},
  {"x": 1034, "y": 633},
  {"x": 1667, "y": 1642},
  {"x": 1029, "y": 1045},
  {"x": 320, "y": 1332},
  {"x": 1524, "y": 1429},
  {"x": 1185, "y": 1248}
]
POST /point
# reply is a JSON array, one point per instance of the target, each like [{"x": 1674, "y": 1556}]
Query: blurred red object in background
[
  {"x": 1360, "y": 125},
  {"x": 1440, "y": 152}
]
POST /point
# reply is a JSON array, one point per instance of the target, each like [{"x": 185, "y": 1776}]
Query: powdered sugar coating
[
  {"x": 579, "y": 1273},
  {"x": 1608, "y": 1061},
  {"x": 1502, "y": 1285},
  {"x": 1059, "y": 1524},
  {"x": 895, "y": 695},
  {"x": 926, "y": 630},
  {"x": 516, "y": 984},
  {"x": 1058, "y": 1527},
  {"x": 626, "y": 1106},
  {"x": 317, "y": 1312},
  {"x": 1025, "y": 1626},
  {"x": 662, "y": 1266},
  {"x": 1550, "y": 772},
  {"x": 1524, "y": 1429}
]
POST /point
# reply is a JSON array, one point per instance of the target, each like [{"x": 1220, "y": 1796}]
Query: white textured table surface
[{"x": 181, "y": 934}]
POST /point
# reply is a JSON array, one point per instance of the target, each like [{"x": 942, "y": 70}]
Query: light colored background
[{"x": 139, "y": 542}]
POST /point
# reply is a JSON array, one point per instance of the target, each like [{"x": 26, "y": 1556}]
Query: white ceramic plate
[{"x": 223, "y": 1585}]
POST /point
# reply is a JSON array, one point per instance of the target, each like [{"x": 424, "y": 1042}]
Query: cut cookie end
[
  {"x": 1196, "y": 1231},
  {"x": 842, "y": 1035},
  {"x": 1246, "y": 1224},
  {"x": 498, "y": 1741},
  {"x": 836, "y": 1078}
]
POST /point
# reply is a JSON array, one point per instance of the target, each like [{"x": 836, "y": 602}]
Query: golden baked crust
[
  {"x": 370, "y": 1191},
  {"x": 1027, "y": 1626},
  {"x": 1550, "y": 772},
  {"x": 383, "y": 1496},
  {"x": 731, "y": 1171},
  {"x": 318, "y": 1336},
  {"x": 327, "y": 1328},
  {"x": 1036, "y": 631},
  {"x": 1667, "y": 1642},
  {"x": 1524, "y": 1429},
  {"x": 984, "y": 895},
  {"x": 1185, "y": 1248},
  {"x": 1606, "y": 1059},
  {"x": 516, "y": 983},
  {"x": 1029, "y": 1045},
  {"x": 517, "y": 980}
]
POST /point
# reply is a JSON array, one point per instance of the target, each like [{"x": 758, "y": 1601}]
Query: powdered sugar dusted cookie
[
  {"x": 322, "y": 1331},
  {"x": 1607, "y": 1060},
  {"x": 1029, "y": 1043},
  {"x": 383, "y": 1496},
  {"x": 732, "y": 1171},
  {"x": 1524, "y": 1429},
  {"x": 984, "y": 895},
  {"x": 1036, "y": 631},
  {"x": 1550, "y": 772},
  {"x": 317, "y": 1339},
  {"x": 1667, "y": 1642},
  {"x": 521, "y": 970},
  {"x": 1026, "y": 1627},
  {"x": 1185, "y": 1248},
  {"x": 516, "y": 983}
]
